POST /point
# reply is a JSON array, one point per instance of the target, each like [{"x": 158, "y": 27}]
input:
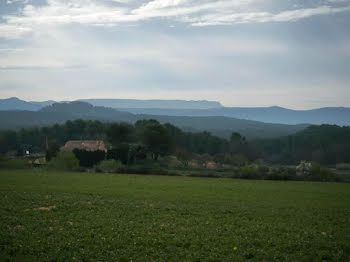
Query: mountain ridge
[
  {"x": 220, "y": 126},
  {"x": 274, "y": 114},
  {"x": 150, "y": 103}
]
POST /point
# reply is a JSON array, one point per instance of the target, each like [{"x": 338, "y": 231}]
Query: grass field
[{"x": 52, "y": 216}]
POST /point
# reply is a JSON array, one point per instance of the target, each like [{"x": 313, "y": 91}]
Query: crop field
[{"x": 53, "y": 216}]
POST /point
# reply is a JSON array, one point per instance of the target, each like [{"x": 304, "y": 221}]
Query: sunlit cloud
[{"x": 194, "y": 13}]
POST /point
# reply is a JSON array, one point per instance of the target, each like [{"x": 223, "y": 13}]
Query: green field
[{"x": 52, "y": 216}]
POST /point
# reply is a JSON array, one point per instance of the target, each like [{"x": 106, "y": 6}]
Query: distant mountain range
[
  {"x": 328, "y": 115},
  {"x": 218, "y": 125},
  {"x": 155, "y": 103},
  {"x": 180, "y": 108},
  {"x": 15, "y": 103}
]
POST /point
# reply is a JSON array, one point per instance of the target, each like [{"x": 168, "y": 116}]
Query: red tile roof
[{"x": 89, "y": 145}]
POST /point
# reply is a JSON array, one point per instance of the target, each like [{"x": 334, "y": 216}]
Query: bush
[
  {"x": 147, "y": 168},
  {"x": 281, "y": 173},
  {"x": 89, "y": 158},
  {"x": 52, "y": 151},
  {"x": 170, "y": 162},
  {"x": 239, "y": 160},
  {"x": 249, "y": 173},
  {"x": 109, "y": 166},
  {"x": 263, "y": 170},
  {"x": 142, "y": 169},
  {"x": 204, "y": 174},
  {"x": 119, "y": 153},
  {"x": 322, "y": 174},
  {"x": 14, "y": 163},
  {"x": 64, "y": 161}
]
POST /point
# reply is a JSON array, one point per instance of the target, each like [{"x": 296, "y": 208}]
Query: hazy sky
[{"x": 291, "y": 53}]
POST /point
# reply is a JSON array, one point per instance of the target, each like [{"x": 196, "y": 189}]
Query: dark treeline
[
  {"x": 35, "y": 139},
  {"x": 324, "y": 144},
  {"x": 157, "y": 139}
]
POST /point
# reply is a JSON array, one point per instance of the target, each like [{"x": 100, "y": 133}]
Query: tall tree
[
  {"x": 118, "y": 133},
  {"x": 156, "y": 138}
]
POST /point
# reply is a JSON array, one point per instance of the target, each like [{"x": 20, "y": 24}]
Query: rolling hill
[
  {"x": 220, "y": 126},
  {"x": 328, "y": 115}
]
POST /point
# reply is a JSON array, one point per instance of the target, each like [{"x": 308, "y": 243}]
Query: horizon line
[{"x": 183, "y": 100}]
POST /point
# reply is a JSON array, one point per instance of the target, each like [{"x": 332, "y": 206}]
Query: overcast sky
[{"x": 291, "y": 53}]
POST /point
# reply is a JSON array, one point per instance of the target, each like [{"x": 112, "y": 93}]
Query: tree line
[
  {"x": 325, "y": 144},
  {"x": 146, "y": 138}
]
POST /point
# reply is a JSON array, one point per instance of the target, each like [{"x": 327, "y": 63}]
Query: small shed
[{"x": 88, "y": 145}]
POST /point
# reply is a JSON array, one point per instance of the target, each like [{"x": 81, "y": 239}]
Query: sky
[{"x": 290, "y": 53}]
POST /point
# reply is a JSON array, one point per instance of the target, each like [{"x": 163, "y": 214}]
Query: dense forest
[
  {"x": 325, "y": 144},
  {"x": 149, "y": 135}
]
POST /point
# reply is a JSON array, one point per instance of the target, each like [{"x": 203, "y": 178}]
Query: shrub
[
  {"x": 204, "y": 174},
  {"x": 263, "y": 169},
  {"x": 322, "y": 174},
  {"x": 64, "y": 161},
  {"x": 89, "y": 158},
  {"x": 249, "y": 173},
  {"x": 281, "y": 173},
  {"x": 14, "y": 163},
  {"x": 170, "y": 161},
  {"x": 239, "y": 160},
  {"x": 145, "y": 168},
  {"x": 120, "y": 153},
  {"x": 109, "y": 166}
]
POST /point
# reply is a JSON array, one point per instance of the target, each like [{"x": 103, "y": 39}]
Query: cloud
[
  {"x": 64, "y": 49},
  {"x": 338, "y": 1},
  {"x": 9, "y": 31},
  {"x": 159, "y": 4},
  {"x": 195, "y": 13},
  {"x": 15, "y": 1},
  {"x": 264, "y": 17}
]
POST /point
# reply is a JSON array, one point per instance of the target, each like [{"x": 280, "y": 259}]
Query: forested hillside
[
  {"x": 326, "y": 144},
  {"x": 220, "y": 126},
  {"x": 274, "y": 114}
]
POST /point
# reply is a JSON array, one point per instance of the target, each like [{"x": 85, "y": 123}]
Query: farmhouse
[{"x": 88, "y": 145}]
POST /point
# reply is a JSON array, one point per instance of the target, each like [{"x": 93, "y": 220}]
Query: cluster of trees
[
  {"x": 325, "y": 144},
  {"x": 129, "y": 143},
  {"x": 150, "y": 138},
  {"x": 126, "y": 142},
  {"x": 35, "y": 139}
]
